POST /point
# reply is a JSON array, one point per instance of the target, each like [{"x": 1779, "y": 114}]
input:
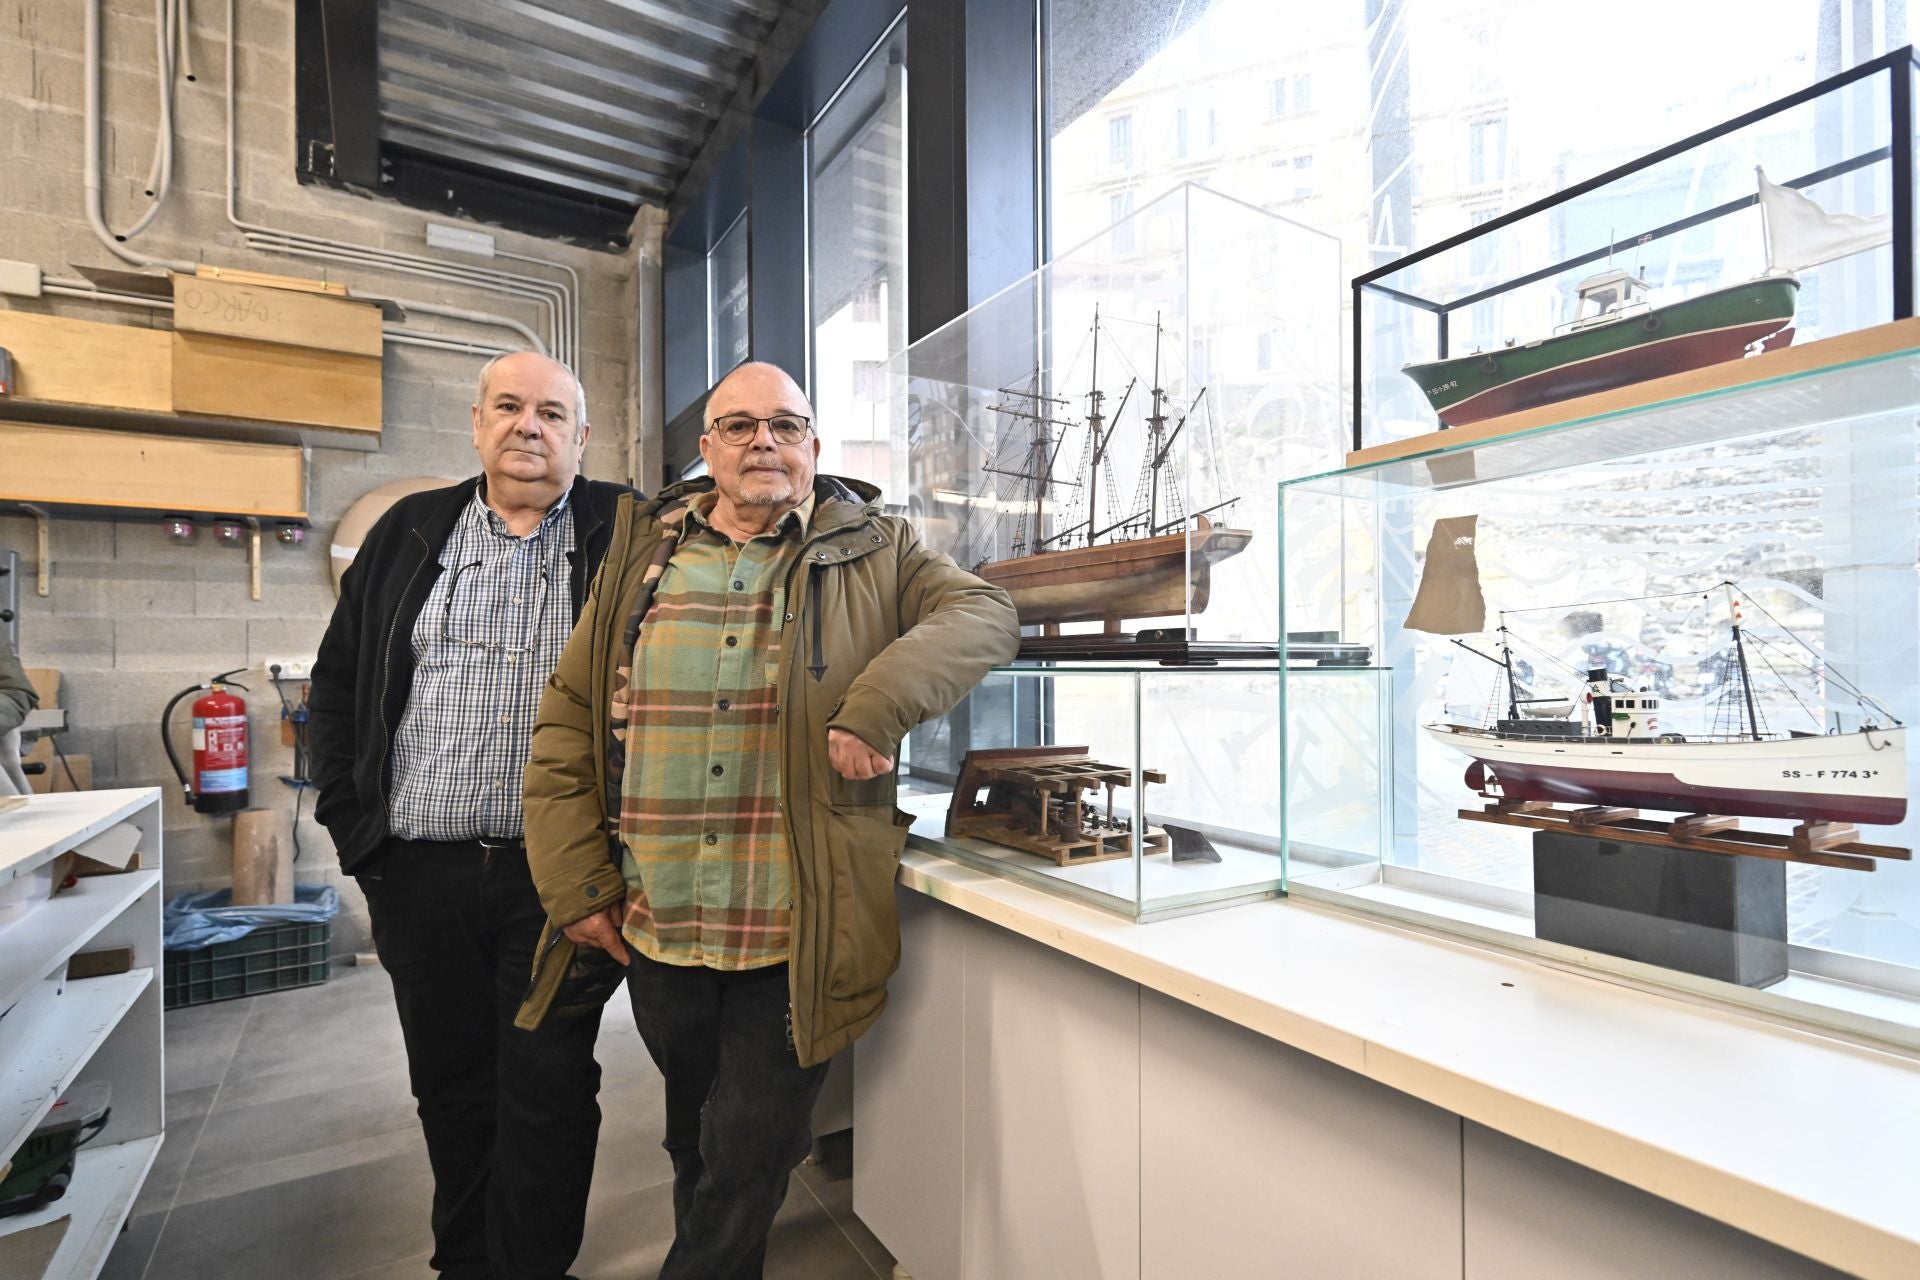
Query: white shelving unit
[{"x": 55, "y": 1032}]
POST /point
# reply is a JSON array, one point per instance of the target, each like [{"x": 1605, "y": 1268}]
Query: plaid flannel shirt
[{"x": 708, "y": 871}]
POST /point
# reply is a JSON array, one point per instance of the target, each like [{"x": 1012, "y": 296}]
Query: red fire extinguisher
[{"x": 219, "y": 783}]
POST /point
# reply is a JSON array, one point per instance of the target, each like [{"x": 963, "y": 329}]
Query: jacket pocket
[
  {"x": 864, "y": 846},
  {"x": 849, "y": 795}
]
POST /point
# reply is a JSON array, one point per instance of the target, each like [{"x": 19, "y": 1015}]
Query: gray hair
[{"x": 579, "y": 387}]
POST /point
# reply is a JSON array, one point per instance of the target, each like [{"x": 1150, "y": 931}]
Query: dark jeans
[
  {"x": 739, "y": 1108},
  {"x": 510, "y": 1116}
]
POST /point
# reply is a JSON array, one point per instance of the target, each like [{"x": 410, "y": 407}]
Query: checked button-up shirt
[
  {"x": 485, "y": 642},
  {"x": 708, "y": 872}
]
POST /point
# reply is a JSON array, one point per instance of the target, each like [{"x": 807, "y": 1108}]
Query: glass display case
[
  {"x": 1102, "y": 439},
  {"x": 1785, "y": 226},
  {"x": 1149, "y": 791},
  {"x": 1639, "y": 690}
]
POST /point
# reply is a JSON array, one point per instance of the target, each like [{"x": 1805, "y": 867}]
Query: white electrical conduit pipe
[
  {"x": 441, "y": 342},
  {"x": 573, "y": 294},
  {"x": 566, "y": 347},
  {"x": 96, "y": 217},
  {"x": 552, "y": 297},
  {"x": 186, "y": 40},
  {"x": 166, "y": 13},
  {"x": 97, "y": 221},
  {"x": 548, "y": 299}
]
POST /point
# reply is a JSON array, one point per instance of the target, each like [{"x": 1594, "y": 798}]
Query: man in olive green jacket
[{"x": 877, "y": 633}]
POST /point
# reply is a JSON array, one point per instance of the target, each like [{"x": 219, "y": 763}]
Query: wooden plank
[
  {"x": 276, "y": 315},
  {"x": 235, "y": 378},
  {"x": 118, "y": 366},
  {"x": 300, "y": 283},
  {"x": 82, "y": 466},
  {"x": 1880, "y": 340},
  {"x": 1752, "y": 844},
  {"x": 46, "y": 683}
]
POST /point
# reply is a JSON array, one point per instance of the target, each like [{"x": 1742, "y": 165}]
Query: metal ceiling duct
[{"x": 607, "y": 98}]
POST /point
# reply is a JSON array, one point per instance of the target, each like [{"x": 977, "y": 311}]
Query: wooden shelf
[
  {"x": 39, "y": 1062},
  {"x": 242, "y": 360},
  {"x": 83, "y": 467},
  {"x": 199, "y": 426},
  {"x": 105, "y": 1182},
  {"x": 1788, "y": 362},
  {"x": 46, "y": 938}
]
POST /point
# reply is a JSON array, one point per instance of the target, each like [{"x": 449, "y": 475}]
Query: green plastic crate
[{"x": 275, "y": 957}]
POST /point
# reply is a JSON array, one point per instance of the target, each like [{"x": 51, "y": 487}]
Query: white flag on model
[{"x": 1801, "y": 234}]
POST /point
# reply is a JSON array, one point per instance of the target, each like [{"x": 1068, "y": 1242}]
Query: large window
[
  {"x": 857, "y": 228},
  {"x": 1393, "y": 124},
  {"x": 728, "y": 329},
  {"x": 1414, "y": 111}
]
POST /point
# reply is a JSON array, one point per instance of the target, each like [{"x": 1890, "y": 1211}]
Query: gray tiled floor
[{"x": 292, "y": 1151}]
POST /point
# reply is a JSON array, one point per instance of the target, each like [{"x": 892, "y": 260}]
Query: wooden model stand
[
  {"x": 1823, "y": 844},
  {"x": 1033, "y": 802}
]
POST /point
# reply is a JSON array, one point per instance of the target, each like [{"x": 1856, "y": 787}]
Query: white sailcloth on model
[{"x": 1801, "y": 234}]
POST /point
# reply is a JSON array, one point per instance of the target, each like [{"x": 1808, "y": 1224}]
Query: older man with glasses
[
  {"x": 727, "y": 715},
  {"x": 449, "y": 622}
]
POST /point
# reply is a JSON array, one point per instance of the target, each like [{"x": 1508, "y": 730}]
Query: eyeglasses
[
  {"x": 739, "y": 428},
  {"x": 480, "y": 613}
]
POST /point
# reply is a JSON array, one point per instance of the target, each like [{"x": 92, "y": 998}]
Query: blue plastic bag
[{"x": 202, "y": 919}]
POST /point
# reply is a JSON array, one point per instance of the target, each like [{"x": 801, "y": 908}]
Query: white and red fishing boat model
[{"x": 1607, "y": 747}]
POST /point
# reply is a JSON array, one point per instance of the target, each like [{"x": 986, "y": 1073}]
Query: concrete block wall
[{"x": 132, "y": 618}]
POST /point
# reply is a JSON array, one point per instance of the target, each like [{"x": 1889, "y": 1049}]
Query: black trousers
[
  {"x": 510, "y": 1116},
  {"x": 739, "y": 1108}
]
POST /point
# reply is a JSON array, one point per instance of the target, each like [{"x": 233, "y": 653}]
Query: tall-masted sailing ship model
[
  {"x": 1072, "y": 551},
  {"x": 1605, "y": 749}
]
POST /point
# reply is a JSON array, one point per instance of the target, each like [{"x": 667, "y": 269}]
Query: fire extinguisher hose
[{"x": 166, "y": 737}]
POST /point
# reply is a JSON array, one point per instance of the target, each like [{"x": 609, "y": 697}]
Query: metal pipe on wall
[
  {"x": 566, "y": 341},
  {"x": 351, "y": 257},
  {"x": 95, "y": 201},
  {"x": 96, "y": 219}
]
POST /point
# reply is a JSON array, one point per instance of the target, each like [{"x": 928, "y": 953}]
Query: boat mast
[
  {"x": 1740, "y": 652},
  {"x": 1506, "y": 660},
  {"x": 1041, "y": 468},
  {"x": 1094, "y": 443},
  {"x": 1156, "y": 424}
]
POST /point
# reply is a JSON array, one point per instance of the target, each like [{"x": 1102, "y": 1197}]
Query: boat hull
[
  {"x": 1705, "y": 330},
  {"x": 1140, "y": 578},
  {"x": 1850, "y": 777}
]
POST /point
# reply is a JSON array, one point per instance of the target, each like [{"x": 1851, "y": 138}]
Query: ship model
[
  {"x": 1606, "y": 748},
  {"x": 1075, "y": 553},
  {"x": 1619, "y": 337}
]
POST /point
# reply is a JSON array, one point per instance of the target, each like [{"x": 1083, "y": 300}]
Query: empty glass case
[
  {"x": 1102, "y": 439},
  {"x": 1640, "y": 690}
]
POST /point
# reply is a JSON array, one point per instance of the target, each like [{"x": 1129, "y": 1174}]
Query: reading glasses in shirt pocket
[{"x": 450, "y": 627}]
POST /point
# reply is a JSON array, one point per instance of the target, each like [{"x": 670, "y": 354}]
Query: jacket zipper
[
  {"x": 814, "y": 568},
  {"x": 817, "y": 665},
  {"x": 386, "y": 677}
]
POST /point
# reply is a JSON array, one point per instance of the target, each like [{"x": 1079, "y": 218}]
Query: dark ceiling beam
[
  {"x": 775, "y": 52},
  {"x": 350, "y": 43}
]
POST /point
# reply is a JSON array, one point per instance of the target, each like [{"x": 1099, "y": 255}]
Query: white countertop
[{"x": 1809, "y": 1142}]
